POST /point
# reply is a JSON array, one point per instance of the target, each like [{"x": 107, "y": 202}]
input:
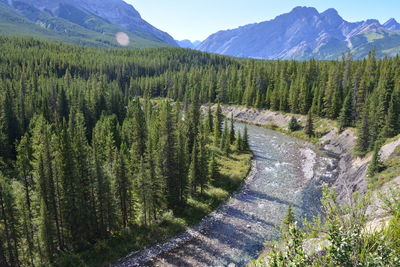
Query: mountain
[
  {"x": 188, "y": 44},
  {"x": 305, "y": 33},
  {"x": 392, "y": 25},
  {"x": 88, "y": 22}
]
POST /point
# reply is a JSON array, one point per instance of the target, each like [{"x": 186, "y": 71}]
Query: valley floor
[{"x": 286, "y": 171}]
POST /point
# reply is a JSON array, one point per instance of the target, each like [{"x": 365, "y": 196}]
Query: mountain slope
[
  {"x": 79, "y": 22},
  {"x": 188, "y": 44},
  {"x": 305, "y": 33}
]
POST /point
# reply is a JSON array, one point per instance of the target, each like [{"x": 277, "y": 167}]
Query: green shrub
[{"x": 293, "y": 124}]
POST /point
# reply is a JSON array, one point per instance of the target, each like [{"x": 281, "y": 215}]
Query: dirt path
[{"x": 285, "y": 172}]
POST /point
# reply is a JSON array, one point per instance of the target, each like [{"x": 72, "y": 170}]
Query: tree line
[{"x": 81, "y": 157}]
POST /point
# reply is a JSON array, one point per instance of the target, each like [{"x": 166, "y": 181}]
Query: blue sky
[{"x": 197, "y": 19}]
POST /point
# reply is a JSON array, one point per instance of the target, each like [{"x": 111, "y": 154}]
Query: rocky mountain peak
[
  {"x": 301, "y": 11},
  {"x": 302, "y": 33},
  {"x": 392, "y": 25}
]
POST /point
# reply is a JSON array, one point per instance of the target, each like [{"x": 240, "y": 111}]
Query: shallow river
[{"x": 286, "y": 171}]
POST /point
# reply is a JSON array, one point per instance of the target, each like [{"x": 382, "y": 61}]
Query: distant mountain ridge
[
  {"x": 91, "y": 21},
  {"x": 188, "y": 44},
  {"x": 305, "y": 33}
]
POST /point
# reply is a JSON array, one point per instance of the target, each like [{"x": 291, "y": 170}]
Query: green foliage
[
  {"x": 376, "y": 164},
  {"x": 293, "y": 124},
  {"x": 309, "y": 128},
  {"x": 94, "y": 160},
  {"x": 346, "y": 114},
  {"x": 349, "y": 243}
]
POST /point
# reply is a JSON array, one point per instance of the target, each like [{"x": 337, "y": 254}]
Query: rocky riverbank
[
  {"x": 286, "y": 171},
  {"x": 351, "y": 171}
]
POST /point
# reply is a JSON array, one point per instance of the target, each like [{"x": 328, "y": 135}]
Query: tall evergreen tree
[
  {"x": 213, "y": 169},
  {"x": 309, "y": 129},
  {"x": 232, "y": 131},
  {"x": 245, "y": 139},
  {"x": 9, "y": 235},
  {"x": 167, "y": 156},
  {"x": 363, "y": 133},
  {"x": 346, "y": 114}
]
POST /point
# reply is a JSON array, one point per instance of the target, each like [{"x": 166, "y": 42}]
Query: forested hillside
[
  {"x": 84, "y": 161},
  {"x": 83, "y": 158}
]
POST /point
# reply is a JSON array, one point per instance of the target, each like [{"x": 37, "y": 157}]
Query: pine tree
[
  {"x": 232, "y": 131},
  {"x": 167, "y": 156},
  {"x": 9, "y": 236},
  {"x": 376, "y": 164},
  {"x": 309, "y": 129},
  {"x": 239, "y": 142},
  {"x": 143, "y": 189},
  {"x": 209, "y": 121},
  {"x": 218, "y": 121},
  {"x": 24, "y": 166},
  {"x": 245, "y": 140},
  {"x": 43, "y": 170},
  {"x": 363, "y": 133},
  {"x": 288, "y": 220},
  {"x": 203, "y": 163},
  {"x": 293, "y": 124},
  {"x": 194, "y": 172},
  {"x": 86, "y": 218},
  {"x": 66, "y": 176},
  {"x": 138, "y": 134},
  {"x": 10, "y": 125},
  {"x": 346, "y": 114},
  {"x": 104, "y": 148},
  {"x": 213, "y": 169},
  {"x": 122, "y": 186},
  {"x": 392, "y": 127},
  {"x": 182, "y": 163},
  {"x": 225, "y": 137},
  {"x": 62, "y": 105}
]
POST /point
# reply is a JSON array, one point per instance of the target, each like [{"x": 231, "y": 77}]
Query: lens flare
[{"x": 122, "y": 38}]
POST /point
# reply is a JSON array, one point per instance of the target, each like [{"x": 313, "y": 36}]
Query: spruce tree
[
  {"x": 225, "y": 137},
  {"x": 363, "y": 133},
  {"x": 9, "y": 235},
  {"x": 24, "y": 166},
  {"x": 122, "y": 187},
  {"x": 288, "y": 220},
  {"x": 239, "y": 142},
  {"x": 309, "y": 129},
  {"x": 391, "y": 127},
  {"x": 346, "y": 114},
  {"x": 167, "y": 167},
  {"x": 213, "y": 169},
  {"x": 209, "y": 121},
  {"x": 245, "y": 140},
  {"x": 232, "y": 131},
  {"x": 86, "y": 183},
  {"x": 376, "y": 164},
  {"x": 194, "y": 172},
  {"x": 293, "y": 124}
]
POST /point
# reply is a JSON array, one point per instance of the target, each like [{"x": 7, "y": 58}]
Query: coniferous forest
[{"x": 97, "y": 141}]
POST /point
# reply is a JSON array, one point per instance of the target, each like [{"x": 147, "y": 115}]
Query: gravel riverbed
[{"x": 285, "y": 171}]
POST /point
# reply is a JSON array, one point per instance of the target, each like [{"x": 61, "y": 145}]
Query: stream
[{"x": 286, "y": 171}]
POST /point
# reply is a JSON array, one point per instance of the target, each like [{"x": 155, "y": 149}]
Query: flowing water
[{"x": 285, "y": 171}]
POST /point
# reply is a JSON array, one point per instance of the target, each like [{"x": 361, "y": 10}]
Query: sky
[{"x": 197, "y": 19}]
